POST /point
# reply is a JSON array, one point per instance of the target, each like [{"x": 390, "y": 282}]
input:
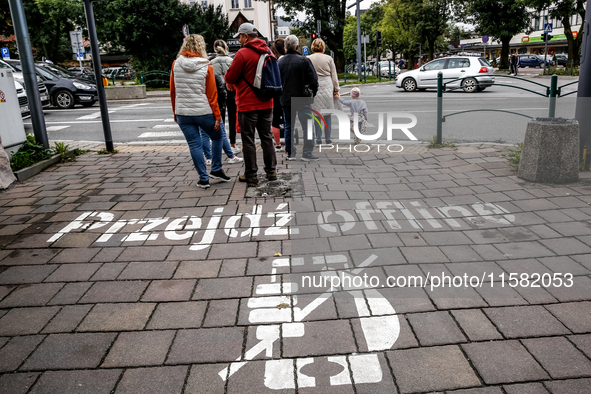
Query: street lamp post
[{"x": 96, "y": 63}]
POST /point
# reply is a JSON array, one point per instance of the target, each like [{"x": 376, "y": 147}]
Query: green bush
[
  {"x": 563, "y": 71},
  {"x": 28, "y": 154}
]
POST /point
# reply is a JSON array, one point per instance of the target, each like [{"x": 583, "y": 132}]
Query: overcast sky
[{"x": 365, "y": 4}]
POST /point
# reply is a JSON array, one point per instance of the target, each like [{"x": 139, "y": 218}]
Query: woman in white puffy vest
[{"x": 193, "y": 93}]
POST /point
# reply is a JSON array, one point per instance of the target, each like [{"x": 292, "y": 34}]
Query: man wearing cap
[{"x": 253, "y": 113}]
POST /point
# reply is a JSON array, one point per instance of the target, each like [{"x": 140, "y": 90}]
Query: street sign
[
  {"x": 485, "y": 39},
  {"x": 365, "y": 39},
  {"x": 80, "y": 56},
  {"x": 5, "y": 53},
  {"x": 548, "y": 28},
  {"x": 76, "y": 39},
  {"x": 185, "y": 30},
  {"x": 305, "y": 50}
]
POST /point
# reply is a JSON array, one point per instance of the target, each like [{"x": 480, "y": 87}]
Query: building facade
[
  {"x": 259, "y": 13},
  {"x": 529, "y": 42}
]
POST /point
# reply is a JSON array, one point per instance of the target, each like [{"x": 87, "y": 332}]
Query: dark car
[
  {"x": 561, "y": 59},
  {"x": 83, "y": 73},
  {"x": 65, "y": 89},
  {"x": 531, "y": 60}
]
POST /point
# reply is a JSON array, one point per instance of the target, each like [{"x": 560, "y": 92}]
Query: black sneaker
[
  {"x": 310, "y": 158},
  {"x": 203, "y": 184},
  {"x": 329, "y": 141},
  {"x": 251, "y": 180},
  {"x": 272, "y": 176},
  {"x": 220, "y": 175}
]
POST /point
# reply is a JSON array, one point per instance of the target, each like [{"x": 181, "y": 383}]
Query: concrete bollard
[{"x": 550, "y": 151}]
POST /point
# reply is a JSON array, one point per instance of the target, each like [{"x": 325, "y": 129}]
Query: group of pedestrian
[{"x": 202, "y": 91}]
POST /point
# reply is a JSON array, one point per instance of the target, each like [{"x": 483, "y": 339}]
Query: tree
[
  {"x": 49, "y": 22},
  {"x": 370, "y": 22},
  {"x": 408, "y": 24},
  {"x": 563, "y": 10},
  {"x": 330, "y": 13},
  {"x": 151, "y": 31},
  {"x": 501, "y": 19}
]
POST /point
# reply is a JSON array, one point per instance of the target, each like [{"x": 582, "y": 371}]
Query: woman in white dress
[{"x": 328, "y": 86}]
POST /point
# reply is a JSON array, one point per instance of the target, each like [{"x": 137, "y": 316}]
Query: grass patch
[
  {"x": 352, "y": 78},
  {"x": 28, "y": 154},
  {"x": 445, "y": 144},
  {"x": 148, "y": 89},
  {"x": 563, "y": 71},
  {"x": 106, "y": 152},
  {"x": 514, "y": 155},
  {"x": 62, "y": 149}
]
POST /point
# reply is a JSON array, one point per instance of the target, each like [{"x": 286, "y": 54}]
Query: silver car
[{"x": 473, "y": 74}]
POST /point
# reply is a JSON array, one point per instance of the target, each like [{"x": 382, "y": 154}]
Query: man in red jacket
[{"x": 252, "y": 111}]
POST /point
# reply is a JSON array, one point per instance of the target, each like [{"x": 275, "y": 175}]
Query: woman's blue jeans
[
  {"x": 225, "y": 144},
  {"x": 194, "y": 127}
]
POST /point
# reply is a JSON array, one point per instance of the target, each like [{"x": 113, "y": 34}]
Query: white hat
[{"x": 246, "y": 28}]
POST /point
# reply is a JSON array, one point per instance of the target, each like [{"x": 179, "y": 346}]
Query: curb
[{"x": 28, "y": 172}]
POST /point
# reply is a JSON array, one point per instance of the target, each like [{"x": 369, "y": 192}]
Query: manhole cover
[
  {"x": 350, "y": 162},
  {"x": 286, "y": 185}
]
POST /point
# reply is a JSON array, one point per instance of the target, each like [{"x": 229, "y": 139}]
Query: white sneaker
[
  {"x": 278, "y": 148},
  {"x": 235, "y": 159},
  {"x": 207, "y": 162},
  {"x": 236, "y": 150}
]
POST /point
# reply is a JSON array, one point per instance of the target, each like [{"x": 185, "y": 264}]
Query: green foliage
[
  {"x": 49, "y": 22},
  {"x": 563, "y": 10},
  {"x": 28, "y": 154},
  {"x": 501, "y": 19},
  {"x": 563, "y": 71},
  {"x": 106, "y": 152},
  {"x": 445, "y": 144},
  {"x": 408, "y": 24},
  {"x": 514, "y": 155},
  {"x": 63, "y": 150},
  {"x": 330, "y": 13},
  {"x": 151, "y": 31}
]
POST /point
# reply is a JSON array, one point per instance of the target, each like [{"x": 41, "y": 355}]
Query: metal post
[
  {"x": 345, "y": 73},
  {"x": 358, "y": 41},
  {"x": 390, "y": 69},
  {"x": 545, "y": 46},
  {"x": 582, "y": 113},
  {"x": 553, "y": 91},
  {"x": 96, "y": 61},
  {"x": 29, "y": 75},
  {"x": 378, "y": 59},
  {"x": 439, "y": 107},
  {"x": 364, "y": 59}
]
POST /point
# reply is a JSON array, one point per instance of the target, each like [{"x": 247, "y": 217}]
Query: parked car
[
  {"x": 18, "y": 77},
  {"x": 386, "y": 68},
  {"x": 561, "y": 59},
  {"x": 473, "y": 74},
  {"x": 530, "y": 60},
  {"x": 65, "y": 89},
  {"x": 548, "y": 59},
  {"x": 83, "y": 73}
]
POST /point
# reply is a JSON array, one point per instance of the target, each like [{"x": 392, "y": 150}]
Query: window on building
[
  {"x": 535, "y": 22},
  {"x": 235, "y": 4},
  {"x": 557, "y": 24},
  {"x": 191, "y": 3},
  {"x": 204, "y": 3},
  {"x": 247, "y": 3}
]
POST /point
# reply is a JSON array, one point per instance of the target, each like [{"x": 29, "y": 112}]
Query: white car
[
  {"x": 386, "y": 69},
  {"x": 473, "y": 74},
  {"x": 23, "y": 101}
]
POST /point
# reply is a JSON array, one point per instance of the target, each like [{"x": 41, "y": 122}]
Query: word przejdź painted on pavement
[{"x": 185, "y": 227}]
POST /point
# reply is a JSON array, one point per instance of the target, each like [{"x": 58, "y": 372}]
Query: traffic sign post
[
  {"x": 77, "y": 45},
  {"x": 485, "y": 40},
  {"x": 5, "y": 53},
  {"x": 305, "y": 50}
]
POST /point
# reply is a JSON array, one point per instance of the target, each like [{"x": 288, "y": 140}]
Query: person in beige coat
[{"x": 328, "y": 86}]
